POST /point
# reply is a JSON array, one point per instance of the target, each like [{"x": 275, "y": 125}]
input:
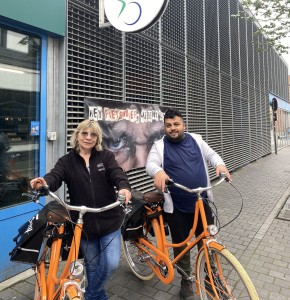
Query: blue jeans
[{"x": 102, "y": 256}]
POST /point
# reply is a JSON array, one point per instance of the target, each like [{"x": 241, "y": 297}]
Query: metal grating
[
  {"x": 211, "y": 35},
  {"x": 173, "y": 79},
  {"x": 235, "y": 38},
  {"x": 194, "y": 30},
  {"x": 173, "y": 32},
  {"x": 196, "y": 98},
  {"x": 197, "y": 58},
  {"x": 142, "y": 70},
  {"x": 224, "y": 36}
]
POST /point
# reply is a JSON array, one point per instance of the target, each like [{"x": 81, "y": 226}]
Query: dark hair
[{"x": 171, "y": 113}]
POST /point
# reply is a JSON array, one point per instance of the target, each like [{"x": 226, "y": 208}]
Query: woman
[{"x": 91, "y": 174}]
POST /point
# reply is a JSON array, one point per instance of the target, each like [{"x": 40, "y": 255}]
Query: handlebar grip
[
  {"x": 121, "y": 198},
  {"x": 169, "y": 182},
  {"x": 43, "y": 189},
  {"x": 223, "y": 175}
]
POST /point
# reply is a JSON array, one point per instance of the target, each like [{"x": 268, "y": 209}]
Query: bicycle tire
[
  {"x": 231, "y": 279},
  {"x": 132, "y": 253}
]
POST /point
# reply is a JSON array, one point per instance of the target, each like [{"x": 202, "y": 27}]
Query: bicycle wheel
[
  {"x": 136, "y": 258},
  {"x": 230, "y": 279}
]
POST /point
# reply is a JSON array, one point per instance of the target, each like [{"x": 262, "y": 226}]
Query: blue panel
[{"x": 11, "y": 218}]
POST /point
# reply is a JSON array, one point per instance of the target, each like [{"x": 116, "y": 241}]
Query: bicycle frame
[
  {"x": 164, "y": 246},
  {"x": 50, "y": 281},
  {"x": 218, "y": 274},
  {"x": 50, "y": 285}
]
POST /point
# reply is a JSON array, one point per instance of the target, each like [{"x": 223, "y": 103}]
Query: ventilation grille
[{"x": 197, "y": 58}]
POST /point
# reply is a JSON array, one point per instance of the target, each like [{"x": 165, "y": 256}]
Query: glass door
[{"x": 19, "y": 114}]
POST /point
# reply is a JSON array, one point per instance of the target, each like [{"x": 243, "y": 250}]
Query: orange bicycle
[
  {"x": 218, "y": 274},
  {"x": 54, "y": 281}
]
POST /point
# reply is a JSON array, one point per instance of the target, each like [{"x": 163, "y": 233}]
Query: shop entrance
[{"x": 20, "y": 98}]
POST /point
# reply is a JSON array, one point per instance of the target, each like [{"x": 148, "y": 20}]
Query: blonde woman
[{"x": 92, "y": 174}]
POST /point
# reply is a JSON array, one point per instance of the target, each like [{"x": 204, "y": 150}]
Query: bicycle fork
[{"x": 212, "y": 265}]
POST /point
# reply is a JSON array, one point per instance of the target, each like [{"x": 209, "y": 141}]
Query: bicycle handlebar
[
  {"x": 198, "y": 190},
  {"x": 44, "y": 191}
]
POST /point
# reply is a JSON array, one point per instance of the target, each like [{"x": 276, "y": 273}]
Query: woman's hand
[
  {"x": 36, "y": 183},
  {"x": 127, "y": 194}
]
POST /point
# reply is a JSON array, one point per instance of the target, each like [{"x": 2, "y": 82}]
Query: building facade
[{"x": 198, "y": 58}]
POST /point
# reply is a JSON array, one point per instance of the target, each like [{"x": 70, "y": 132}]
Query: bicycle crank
[{"x": 162, "y": 267}]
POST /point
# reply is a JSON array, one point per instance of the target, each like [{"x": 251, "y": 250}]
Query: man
[{"x": 182, "y": 157}]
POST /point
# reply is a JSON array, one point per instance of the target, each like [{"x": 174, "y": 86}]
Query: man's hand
[
  {"x": 160, "y": 179},
  {"x": 223, "y": 169}
]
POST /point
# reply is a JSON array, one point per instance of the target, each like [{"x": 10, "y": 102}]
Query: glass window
[{"x": 19, "y": 113}]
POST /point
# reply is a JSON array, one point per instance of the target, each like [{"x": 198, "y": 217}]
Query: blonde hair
[{"x": 94, "y": 126}]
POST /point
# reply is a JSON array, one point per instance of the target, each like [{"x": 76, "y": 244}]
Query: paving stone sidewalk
[{"x": 257, "y": 237}]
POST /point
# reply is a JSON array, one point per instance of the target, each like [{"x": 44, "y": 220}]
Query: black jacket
[{"x": 92, "y": 189}]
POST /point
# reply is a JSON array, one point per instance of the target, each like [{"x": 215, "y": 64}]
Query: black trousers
[{"x": 180, "y": 224}]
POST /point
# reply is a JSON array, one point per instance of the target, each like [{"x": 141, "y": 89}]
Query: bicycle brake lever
[
  {"x": 168, "y": 183},
  {"x": 34, "y": 196},
  {"x": 224, "y": 176}
]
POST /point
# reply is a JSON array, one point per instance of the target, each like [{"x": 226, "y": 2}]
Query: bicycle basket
[
  {"x": 28, "y": 241},
  {"x": 132, "y": 227},
  {"x": 30, "y": 234}
]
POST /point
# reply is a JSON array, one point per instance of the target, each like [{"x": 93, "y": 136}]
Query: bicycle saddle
[{"x": 153, "y": 197}]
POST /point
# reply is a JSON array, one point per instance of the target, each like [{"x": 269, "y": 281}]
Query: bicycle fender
[{"x": 215, "y": 244}]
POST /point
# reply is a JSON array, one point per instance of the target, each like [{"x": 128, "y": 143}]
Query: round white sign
[{"x": 134, "y": 15}]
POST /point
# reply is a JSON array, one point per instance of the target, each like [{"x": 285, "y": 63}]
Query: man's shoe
[{"x": 186, "y": 289}]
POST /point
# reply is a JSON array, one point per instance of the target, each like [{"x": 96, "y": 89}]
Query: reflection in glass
[{"x": 19, "y": 114}]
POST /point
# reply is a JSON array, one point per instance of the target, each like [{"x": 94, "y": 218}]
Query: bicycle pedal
[{"x": 144, "y": 257}]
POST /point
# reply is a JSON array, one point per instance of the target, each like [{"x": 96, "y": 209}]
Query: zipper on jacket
[{"x": 92, "y": 190}]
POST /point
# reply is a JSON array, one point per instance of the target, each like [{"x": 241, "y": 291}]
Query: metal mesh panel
[
  {"x": 227, "y": 121},
  {"x": 251, "y": 71},
  {"x": 211, "y": 34},
  {"x": 142, "y": 70},
  {"x": 195, "y": 29},
  {"x": 256, "y": 57},
  {"x": 94, "y": 60},
  {"x": 262, "y": 64},
  {"x": 196, "y": 98},
  {"x": 213, "y": 120},
  {"x": 238, "y": 136},
  {"x": 173, "y": 34},
  {"x": 166, "y": 65},
  {"x": 253, "y": 125},
  {"x": 173, "y": 79},
  {"x": 152, "y": 32},
  {"x": 235, "y": 36},
  {"x": 243, "y": 51},
  {"x": 225, "y": 53}
]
